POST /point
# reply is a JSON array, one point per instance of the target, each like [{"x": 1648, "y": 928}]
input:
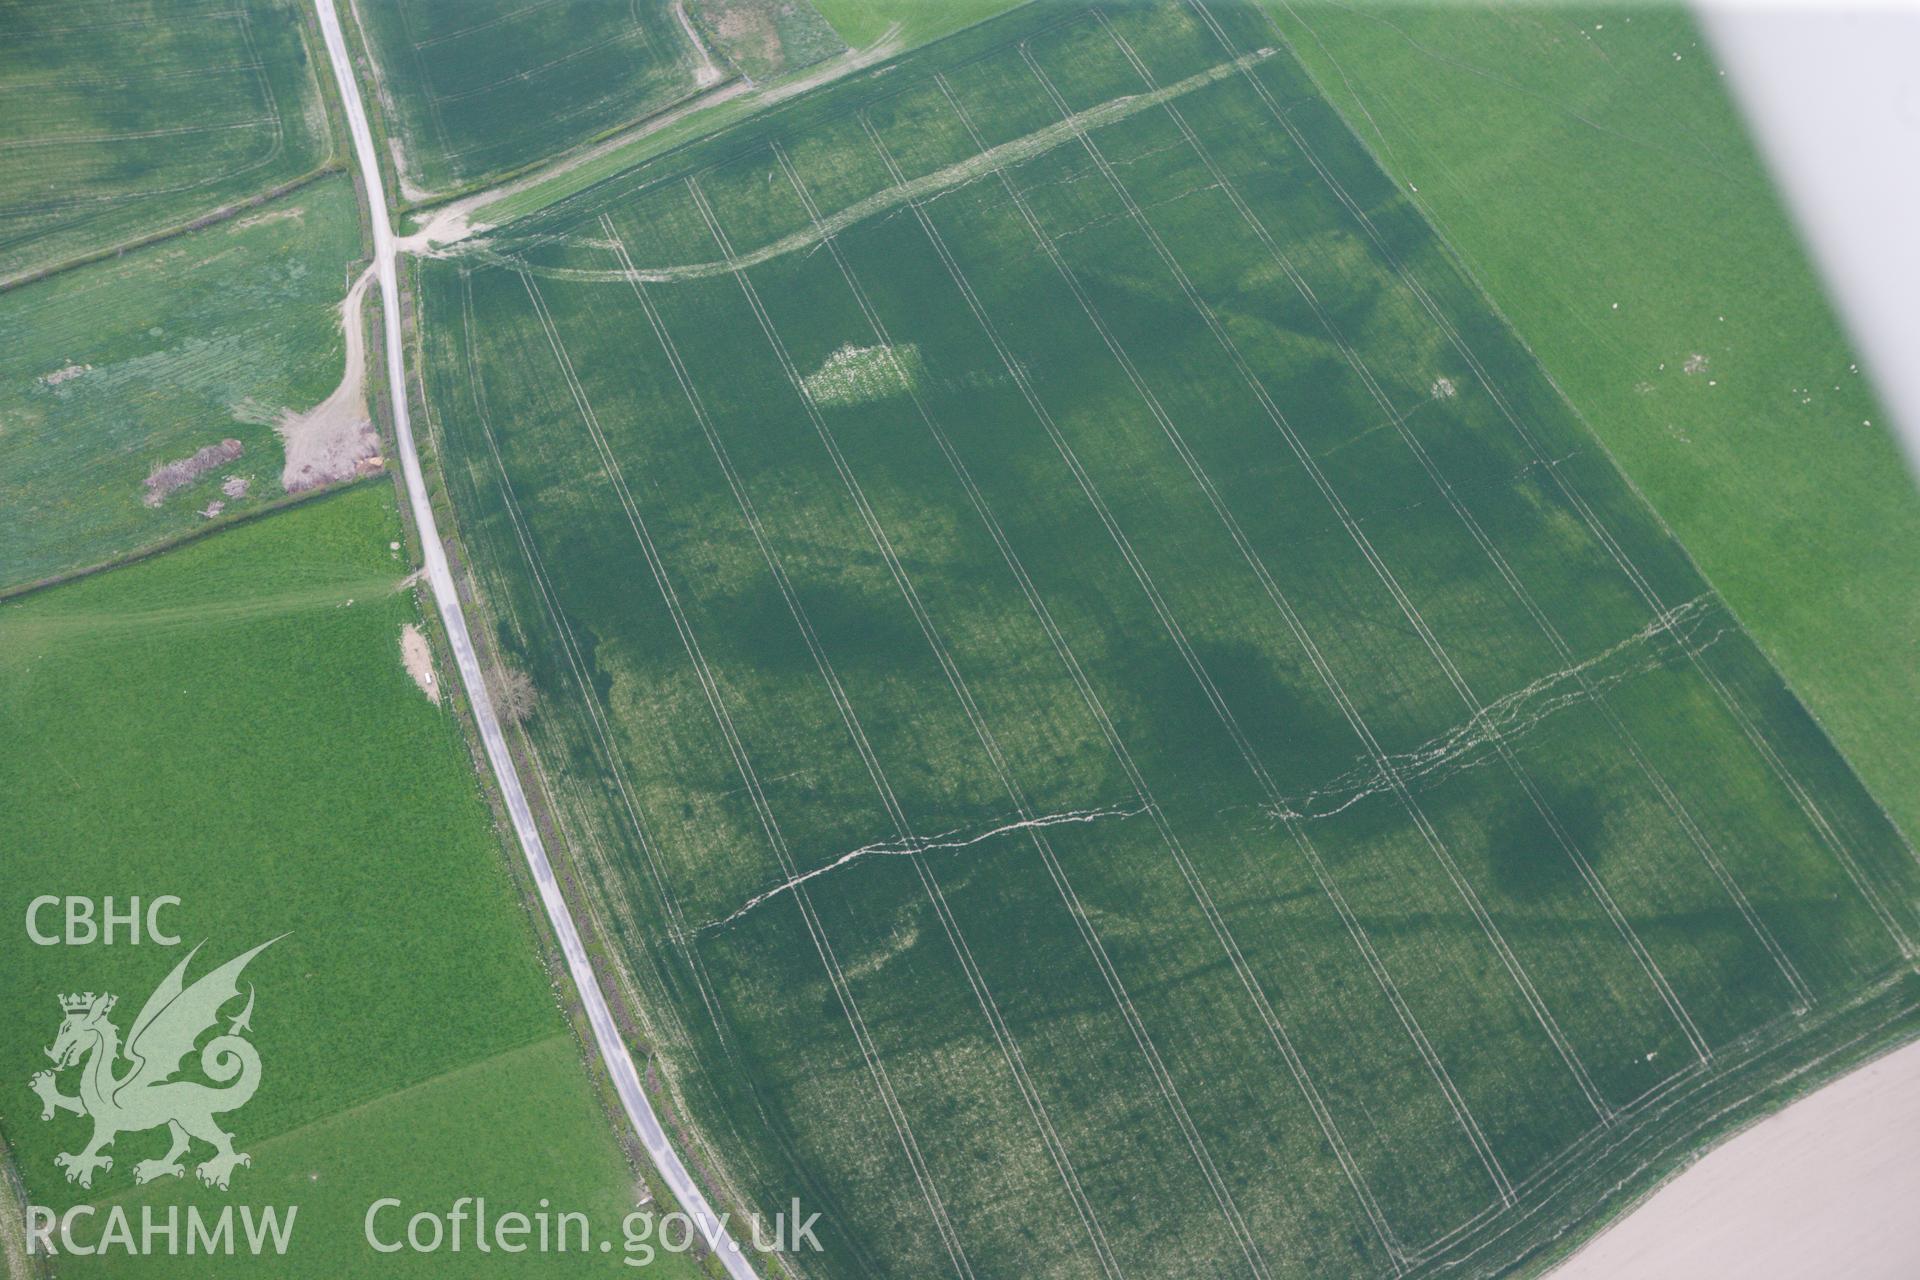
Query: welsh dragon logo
[{"x": 145, "y": 1094}]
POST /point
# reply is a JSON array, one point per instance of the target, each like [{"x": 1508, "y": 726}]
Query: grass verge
[
  {"x": 231, "y": 723},
  {"x": 1591, "y": 172}
]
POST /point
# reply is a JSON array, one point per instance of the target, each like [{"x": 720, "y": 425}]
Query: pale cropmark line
[
  {"x": 1692, "y": 651},
  {"x": 266, "y": 92},
  {"x": 1520, "y": 710},
  {"x": 1411, "y": 612},
  {"x": 1316, "y": 1105},
  {"x": 1196, "y": 886},
  {"x": 1803, "y": 994},
  {"x": 1476, "y": 1138},
  {"x": 978, "y": 501},
  {"x": 526, "y": 73},
  {"x": 1203, "y": 480},
  {"x": 433, "y": 100},
  {"x": 908, "y": 846},
  {"x": 717, "y": 1167},
  {"x": 87, "y": 28},
  {"x": 928, "y": 186},
  {"x": 1808, "y": 807},
  {"x": 976, "y": 980},
  {"x": 127, "y": 82},
  {"x": 1003, "y": 1035},
  {"x": 896, "y": 1114},
  {"x": 650, "y": 856}
]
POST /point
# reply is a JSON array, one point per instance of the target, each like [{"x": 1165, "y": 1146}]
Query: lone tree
[{"x": 514, "y": 697}]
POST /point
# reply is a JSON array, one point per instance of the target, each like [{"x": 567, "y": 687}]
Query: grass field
[
  {"x": 110, "y": 369},
  {"x": 230, "y": 723},
  {"x": 1547, "y": 149},
  {"x": 476, "y": 89},
  {"x": 123, "y": 118},
  {"x": 1129, "y": 728}
]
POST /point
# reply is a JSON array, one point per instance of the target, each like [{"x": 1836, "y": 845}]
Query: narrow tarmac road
[{"x": 613, "y": 1050}]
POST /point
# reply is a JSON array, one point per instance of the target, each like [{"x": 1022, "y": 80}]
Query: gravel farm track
[{"x": 613, "y": 1050}]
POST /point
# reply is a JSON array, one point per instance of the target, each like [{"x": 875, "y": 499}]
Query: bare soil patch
[
  {"x": 1825, "y": 1187},
  {"x": 295, "y": 213},
  {"x": 181, "y": 472},
  {"x": 335, "y": 439},
  {"x": 748, "y": 31},
  {"x": 417, "y": 656},
  {"x": 708, "y": 74}
]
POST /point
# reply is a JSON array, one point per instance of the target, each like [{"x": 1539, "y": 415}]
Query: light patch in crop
[{"x": 856, "y": 375}]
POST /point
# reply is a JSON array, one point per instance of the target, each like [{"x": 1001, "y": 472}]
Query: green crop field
[
  {"x": 1126, "y": 725},
  {"x": 1544, "y": 143},
  {"x": 230, "y": 723},
  {"x": 110, "y": 369},
  {"x": 868, "y": 28},
  {"x": 475, "y": 89},
  {"x": 862, "y": 22},
  {"x": 121, "y": 118}
]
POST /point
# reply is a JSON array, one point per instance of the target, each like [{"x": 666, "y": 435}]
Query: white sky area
[
  {"x": 1828, "y": 1186},
  {"x": 1832, "y": 94}
]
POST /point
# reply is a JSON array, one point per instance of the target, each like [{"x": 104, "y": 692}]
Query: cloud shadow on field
[{"x": 1528, "y": 862}]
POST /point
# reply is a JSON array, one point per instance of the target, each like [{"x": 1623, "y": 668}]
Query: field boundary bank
[
  {"x": 577, "y": 885},
  {"x": 762, "y": 100},
  {"x": 334, "y": 161},
  {"x": 1459, "y": 260},
  {"x": 1787, "y": 1057},
  {"x": 667, "y": 1072},
  {"x": 608, "y": 1039},
  {"x": 459, "y": 707},
  {"x": 808, "y": 108},
  {"x": 174, "y": 541},
  {"x": 576, "y": 879},
  {"x": 1774, "y": 1067},
  {"x": 211, "y": 218},
  {"x": 720, "y": 91},
  {"x": 385, "y": 125}
]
